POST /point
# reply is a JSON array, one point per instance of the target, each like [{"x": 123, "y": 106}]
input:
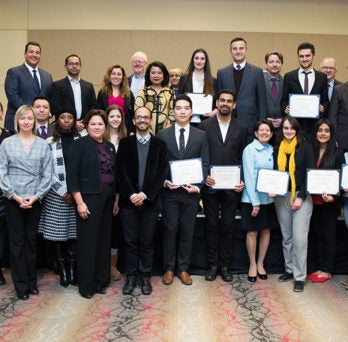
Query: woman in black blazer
[{"x": 91, "y": 180}]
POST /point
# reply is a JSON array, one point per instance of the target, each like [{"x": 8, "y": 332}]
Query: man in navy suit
[
  {"x": 24, "y": 82},
  {"x": 247, "y": 82},
  {"x": 72, "y": 92},
  {"x": 180, "y": 202},
  {"x": 316, "y": 84}
]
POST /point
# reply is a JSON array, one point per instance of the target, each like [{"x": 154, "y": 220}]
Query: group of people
[{"x": 105, "y": 167}]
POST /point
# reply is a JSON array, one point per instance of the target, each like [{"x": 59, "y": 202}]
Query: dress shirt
[
  {"x": 76, "y": 88},
  {"x": 330, "y": 86},
  {"x": 242, "y": 65},
  {"x": 311, "y": 79},
  {"x": 223, "y": 128},
  {"x": 137, "y": 83},
  {"x": 197, "y": 87},
  {"x": 146, "y": 138},
  {"x": 186, "y": 133},
  {"x": 277, "y": 79},
  {"x": 38, "y": 127},
  {"x": 32, "y": 74}
]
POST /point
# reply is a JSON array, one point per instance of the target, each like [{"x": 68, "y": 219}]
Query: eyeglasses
[
  {"x": 328, "y": 68},
  {"x": 141, "y": 117},
  {"x": 73, "y": 64},
  {"x": 175, "y": 76}
]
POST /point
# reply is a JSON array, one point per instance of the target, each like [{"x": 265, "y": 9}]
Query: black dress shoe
[
  {"x": 146, "y": 288},
  {"x": 252, "y": 279},
  {"x": 33, "y": 290},
  {"x": 86, "y": 295},
  {"x": 23, "y": 295},
  {"x": 100, "y": 290},
  {"x": 298, "y": 286},
  {"x": 286, "y": 277},
  {"x": 210, "y": 275},
  {"x": 2, "y": 278},
  {"x": 129, "y": 286},
  {"x": 262, "y": 276},
  {"x": 226, "y": 274}
]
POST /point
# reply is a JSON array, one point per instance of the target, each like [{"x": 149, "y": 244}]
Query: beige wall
[{"x": 168, "y": 31}]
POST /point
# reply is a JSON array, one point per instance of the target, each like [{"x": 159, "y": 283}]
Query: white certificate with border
[
  {"x": 201, "y": 103},
  {"x": 225, "y": 176},
  {"x": 304, "y": 106},
  {"x": 344, "y": 176},
  {"x": 321, "y": 181},
  {"x": 186, "y": 171},
  {"x": 272, "y": 181}
]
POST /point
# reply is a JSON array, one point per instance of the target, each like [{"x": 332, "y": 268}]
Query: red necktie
[
  {"x": 305, "y": 90},
  {"x": 274, "y": 90}
]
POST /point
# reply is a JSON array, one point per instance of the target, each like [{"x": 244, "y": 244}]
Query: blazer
[
  {"x": 50, "y": 129},
  {"x": 62, "y": 97},
  {"x": 102, "y": 103},
  {"x": 83, "y": 166},
  {"x": 196, "y": 147},
  {"x": 251, "y": 103},
  {"x": 127, "y": 174},
  {"x": 338, "y": 114},
  {"x": 20, "y": 89},
  {"x": 274, "y": 109}
]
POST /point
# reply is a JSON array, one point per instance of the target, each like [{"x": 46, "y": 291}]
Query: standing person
[
  {"x": 227, "y": 139},
  {"x": 137, "y": 79},
  {"x": 157, "y": 96},
  {"x": 329, "y": 68},
  {"x": 91, "y": 180},
  {"x": 198, "y": 79},
  {"x": 174, "y": 79},
  {"x": 180, "y": 203},
  {"x": 325, "y": 207},
  {"x": 305, "y": 80},
  {"x": 115, "y": 131},
  {"x": 25, "y": 178},
  {"x": 58, "y": 216},
  {"x": 294, "y": 211},
  {"x": 115, "y": 91},
  {"x": 24, "y": 82},
  {"x": 72, "y": 92},
  {"x": 41, "y": 106},
  {"x": 141, "y": 171},
  {"x": 257, "y": 210},
  {"x": 247, "y": 82}
]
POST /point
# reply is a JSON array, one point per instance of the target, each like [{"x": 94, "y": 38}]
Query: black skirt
[{"x": 265, "y": 219}]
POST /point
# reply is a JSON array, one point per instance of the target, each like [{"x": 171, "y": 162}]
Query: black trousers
[
  {"x": 22, "y": 232},
  {"x": 179, "y": 218},
  {"x": 3, "y": 236},
  {"x": 138, "y": 227},
  {"x": 93, "y": 242},
  {"x": 219, "y": 232}
]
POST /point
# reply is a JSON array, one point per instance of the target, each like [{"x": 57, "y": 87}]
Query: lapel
[
  {"x": 30, "y": 79},
  {"x": 297, "y": 81},
  {"x": 316, "y": 84},
  {"x": 173, "y": 143},
  {"x": 216, "y": 129},
  {"x": 231, "y": 77},
  {"x": 70, "y": 91},
  {"x": 245, "y": 78}
]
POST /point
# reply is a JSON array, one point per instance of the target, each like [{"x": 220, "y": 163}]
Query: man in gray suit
[
  {"x": 248, "y": 83},
  {"x": 42, "y": 109},
  {"x": 329, "y": 68},
  {"x": 24, "y": 82}
]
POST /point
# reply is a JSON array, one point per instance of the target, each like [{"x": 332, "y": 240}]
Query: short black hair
[
  {"x": 32, "y": 43},
  {"x": 72, "y": 55},
  {"x": 227, "y": 91},
  {"x": 238, "y": 39},
  {"x": 306, "y": 45},
  {"x": 278, "y": 54},
  {"x": 164, "y": 70},
  {"x": 41, "y": 98},
  {"x": 182, "y": 97}
]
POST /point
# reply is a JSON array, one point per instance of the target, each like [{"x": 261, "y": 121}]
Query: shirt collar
[
  {"x": 31, "y": 68},
  {"x": 72, "y": 80},
  {"x": 177, "y": 128},
  {"x": 310, "y": 71},
  {"x": 270, "y": 77},
  {"x": 146, "y": 137},
  {"x": 242, "y": 65}
]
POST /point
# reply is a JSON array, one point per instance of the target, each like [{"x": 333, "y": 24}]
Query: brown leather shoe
[
  {"x": 185, "y": 278},
  {"x": 168, "y": 277}
]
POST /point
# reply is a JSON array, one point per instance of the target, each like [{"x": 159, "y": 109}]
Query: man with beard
[
  {"x": 141, "y": 171},
  {"x": 227, "y": 138}
]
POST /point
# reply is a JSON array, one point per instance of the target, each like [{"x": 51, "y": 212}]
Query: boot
[
  {"x": 2, "y": 278},
  {"x": 72, "y": 269},
  {"x": 114, "y": 272},
  {"x": 62, "y": 272}
]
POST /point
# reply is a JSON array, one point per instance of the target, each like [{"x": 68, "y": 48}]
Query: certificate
[
  {"x": 304, "y": 106},
  {"x": 226, "y": 177},
  {"x": 201, "y": 103},
  {"x": 320, "y": 181},
  {"x": 272, "y": 181},
  {"x": 344, "y": 176},
  {"x": 186, "y": 171}
]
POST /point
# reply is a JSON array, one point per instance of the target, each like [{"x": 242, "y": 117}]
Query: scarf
[{"x": 284, "y": 149}]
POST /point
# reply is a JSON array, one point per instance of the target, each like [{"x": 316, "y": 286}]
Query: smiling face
[
  {"x": 264, "y": 133},
  {"x": 26, "y": 122},
  {"x": 289, "y": 132},
  {"x": 96, "y": 128},
  {"x": 238, "y": 51},
  {"x": 274, "y": 65},
  {"x": 114, "y": 118},
  {"x": 142, "y": 120},
  {"x": 116, "y": 77},
  {"x": 32, "y": 56},
  {"x": 225, "y": 104},
  {"x": 42, "y": 109},
  {"x": 328, "y": 67},
  {"x": 323, "y": 134},
  {"x": 305, "y": 59},
  {"x": 199, "y": 61},
  {"x": 156, "y": 76},
  {"x": 182, "y": 112}
]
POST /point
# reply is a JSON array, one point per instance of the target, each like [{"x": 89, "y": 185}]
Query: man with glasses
[
  {"x": 72, "y": 92},
  {"x": 328, "y": 67},
  {"x": 137, "y": 79},
  {"x": 174, "y": 78}
]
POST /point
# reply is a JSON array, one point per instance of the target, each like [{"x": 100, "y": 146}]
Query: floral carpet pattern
[{"x": 204, "y": 312}]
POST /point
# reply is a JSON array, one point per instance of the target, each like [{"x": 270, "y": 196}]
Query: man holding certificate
[
  {"x": 188, "y": 155},
  {"x": 227, "y": 139}
]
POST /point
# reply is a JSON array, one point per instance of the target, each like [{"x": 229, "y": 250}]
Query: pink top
[{"x": 117, "y": 101}]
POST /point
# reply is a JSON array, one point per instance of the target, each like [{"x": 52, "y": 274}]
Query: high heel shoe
[
  {"x": 262, "y": 276},
  {"x": 252, "y": 279}
]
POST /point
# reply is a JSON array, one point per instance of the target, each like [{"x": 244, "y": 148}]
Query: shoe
[
  {"x": 311, "y": 276},
  {"x": 226, "y": 274},
  {"x": 286, "y": 277},
  {"x": 317, "y": 279},
  {"x": 34, "y": 291},
  {"x": 298, "y": 286},
  {"x": 114, "y": 272},
  {"x": 210, "y": 275},
  {"x": 146, "y": 288},
  {"x": 23, "y": 295},
  {"x": 252, "y": 279},
  {"x": 344, "y": 282},
  {"x": 262, "y": 276},
  {"x": 71, "y": 269},
  {"x": 63, "y": 277},
  {"x": 100, "y": 290},
  {"x": 168, "y": 278},
  {"x": 86, "y": 295},
  {"x": 185, "y": 278},
  {"x": 129, "y": 286},
  {"x": 2, "y": 278}
]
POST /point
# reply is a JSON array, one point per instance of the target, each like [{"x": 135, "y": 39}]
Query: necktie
[
  {"x": 43, "y": 132},
  {"x": 36, "y": 81},
  {"x": 238, "y": 67},
  {"x": 143, "y": 141},
  {"x": 182, "y": 140},
  {"x": 274, "y": 90},
  {"x": 305, "y": 88}
]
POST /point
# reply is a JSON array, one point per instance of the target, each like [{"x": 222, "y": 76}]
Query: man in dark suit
[
  {"x": 180, "y": 202},
  {"x": 248, "y": 83},
  {"x": 72, "y": 92},
  {"x": 305, "y": 80},
  {"x": 42, "y": 109},
  {"x": 227, "y": 139},
  {"x": 24, "y": 82},
  {"x": 141, "y": 171},
  {"x": 137, "y": 79},
  {"x": 329, "y": 68}
]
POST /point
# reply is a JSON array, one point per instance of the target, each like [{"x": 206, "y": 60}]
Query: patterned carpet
[{"x": 204, "y": 312}]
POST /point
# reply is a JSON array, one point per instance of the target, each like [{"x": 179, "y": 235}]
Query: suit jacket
[
  {"x": 127, "y": 174},
  {"x": 20, "y": 89},
  {"x": 338, "y": 114},
  {"x": 62, "y": 97},
  {"x": 196, "y": 147},
  {"x": 274, "y": 109},
  {"x": 50, "y": 129},
  {"x": 251, "y": 103}
]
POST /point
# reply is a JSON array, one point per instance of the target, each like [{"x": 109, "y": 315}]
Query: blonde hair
[{"x": 22, "y": 110}]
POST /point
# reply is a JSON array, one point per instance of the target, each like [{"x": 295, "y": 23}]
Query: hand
[
  {"x": 116, "y": 208},
  {"x": 255, "y": 211},
  {"x": 192, "y": 189},
  {"x": 83, "y": 210},
  {"x": 297, "y": 204},
  {"x": 321, "y": 109},
  {"x": 28, "y": 202},
  {"x": 239, "y": 187},
  {"x": 168, "y": 184},
  {"x": 210, "y": 114},
  {"x": 68, "y": 199},
  {"x": 210, "y": 181},
  {"x": 271, "y": 195},
  {"x": 327, "y": 198},
  {"x": 79, "y": 125},
  {"x": 137, "y": 199},
  {"x": 287, "y": 110},
  {"x": 276, "y": 122}
]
